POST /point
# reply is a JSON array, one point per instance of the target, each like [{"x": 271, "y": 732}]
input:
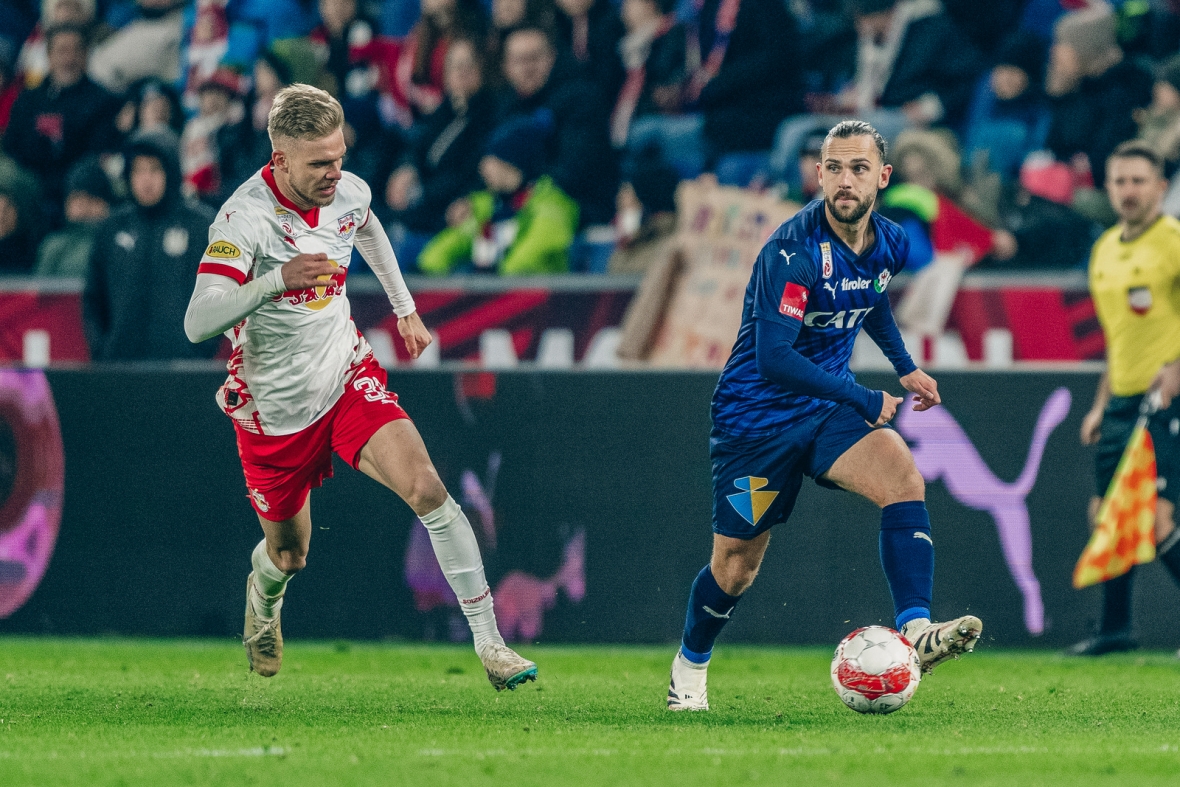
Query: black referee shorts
[{"x": 1118, "y": 420}]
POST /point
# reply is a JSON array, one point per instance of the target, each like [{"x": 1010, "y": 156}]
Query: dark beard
[{"x": 855, "y": 214}]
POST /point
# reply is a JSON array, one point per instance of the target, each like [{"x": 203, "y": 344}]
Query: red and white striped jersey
[{"x": 291, "y": 355}]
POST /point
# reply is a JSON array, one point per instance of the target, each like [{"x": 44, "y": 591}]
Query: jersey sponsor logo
[
  {"x": 848, "y": 318},
  {"x": 825, "y": 250},
  {"x": 318, "y": 297},
  {"x": 754, "y": 501},
  {"x": 794, "y": 301},
  {"x": 346, "y": 227},
  {"x": 847, "y": 284},
  {"x": 223, "y": 250},
  {"x": 286, "y": 223},
  {"x": 1139, "y": 300},
  {"x": 882, "y": 280}
]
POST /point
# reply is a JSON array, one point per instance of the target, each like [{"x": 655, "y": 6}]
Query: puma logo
[
  {"x": 831, "y": 287},
  {"x": 942, "y": 451},
  {"x": 786, "y": 256},
  {"x": 715, "y": 613},
  {"x": 924, "y": 537}
]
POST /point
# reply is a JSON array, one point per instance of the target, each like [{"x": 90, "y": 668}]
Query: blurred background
[{"x": 576, "y": 190}]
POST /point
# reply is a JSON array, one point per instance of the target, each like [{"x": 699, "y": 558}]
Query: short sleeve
[
  {"x": 231, "y": 248},
  {"x": 784, "y": 274}
]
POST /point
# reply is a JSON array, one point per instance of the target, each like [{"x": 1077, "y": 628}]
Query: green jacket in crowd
[{"x": 546, "y": 225}]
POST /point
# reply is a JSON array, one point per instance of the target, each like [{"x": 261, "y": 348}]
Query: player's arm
[
  {"x": 375, "y": 247},
  {"x": 882, "y": 329},
  {"x": 1092, "y": 421},
  {"x": 785, "y": 274}
]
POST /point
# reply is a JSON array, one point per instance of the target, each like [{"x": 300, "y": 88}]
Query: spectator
[
  {"x": 507, "y": 15},
  {"x": 143, "y": 265},
  {"x": 653, "y": 54},
  {"x": 646, "y": 216},
  {"x": 443, "y": 162},
  {"x": 200, "y": 158},
  {"x": 1159, "y": 123},
  {"x": 1093, "y": 91},
  {"x": 914, "y": 68},
  {"x": 150, "y": 105},
  {"x": 66, "y": 117},
  {"x": 244, "y": 147},
  {"x": 89, "y": 198},
  {"x": 418, "y": 75},
  {"x": 579, "y": 156},
  {"x": 806, "y": 187},
  {"x": 148, "y": 47},
  {"x": 588, "y": 33},
  {"x": 340, "y": 28},
  {"x": 32, "y": 64},
  {"x": 1009, "y": 117},
  {"x": 18, "y": 238},
  {"x": 522, "y": 224}
]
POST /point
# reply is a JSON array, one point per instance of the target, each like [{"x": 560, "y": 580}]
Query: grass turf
[{"x": 84, "y": 711}]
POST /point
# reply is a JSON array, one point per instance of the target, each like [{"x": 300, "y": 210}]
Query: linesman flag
[{"x": 1125, "y": 531}]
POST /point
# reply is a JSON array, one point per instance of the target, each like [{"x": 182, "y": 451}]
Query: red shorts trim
[{"x": 281, "y": 470}]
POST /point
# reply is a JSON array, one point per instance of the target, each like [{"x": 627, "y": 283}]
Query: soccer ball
[{"x": 875, "y": 670}]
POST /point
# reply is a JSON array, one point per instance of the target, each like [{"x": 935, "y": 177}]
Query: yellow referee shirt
[{"x": 1136, "y": 292}]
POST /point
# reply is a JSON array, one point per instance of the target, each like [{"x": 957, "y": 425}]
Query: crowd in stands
[{"x": 539, "y": 136}]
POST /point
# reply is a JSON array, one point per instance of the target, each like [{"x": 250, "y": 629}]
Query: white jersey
[{"x": 292, "y": 355}]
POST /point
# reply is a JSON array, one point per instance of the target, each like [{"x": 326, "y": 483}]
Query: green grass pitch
[{"x": 152, "y": 712}]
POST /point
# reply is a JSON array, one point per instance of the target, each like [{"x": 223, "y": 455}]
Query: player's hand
[
  {"x": 414, "y": 333},
  {"x": 889, "y": 405},
  {"x": 1092, "y": 427},
  {"x": 926, "y": 390},
  {"x": 304, "y": 270},
  {"x": 1167, "y": 384}
]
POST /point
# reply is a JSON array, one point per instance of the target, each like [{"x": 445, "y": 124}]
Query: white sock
[
  {"x": 269, "y": 584},
  {"x": 458, "y": 555}
]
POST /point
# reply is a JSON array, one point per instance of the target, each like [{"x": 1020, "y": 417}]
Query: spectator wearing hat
[
  {"x": 1093, "y": 91},
  {"x": 521, "y": 224},
  {"x": 200, "y": 159},
  {"x": 1009, "y": 116},
  {"x": 150, "y": 105},
  {"x": 89, "y": 198},
  {"x": 62, "y": 120},
  {"x": 143, "y": 264}
]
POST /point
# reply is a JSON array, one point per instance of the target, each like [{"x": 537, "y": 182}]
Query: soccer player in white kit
[{"x": 302, "y": 379}]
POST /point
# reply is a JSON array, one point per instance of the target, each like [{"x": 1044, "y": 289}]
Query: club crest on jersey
[
  {"x": 346, "y": 227},
  {"x": 286, "y": 223},
  {"x": 794, "y": 301},
  {"x": 882, "y": 281},
  {"x": 1139, "y": 299},
  {"x": 825, "y": 250},
  {"x": 222, "y": 250},
  {"x": 754, "y": 501}
]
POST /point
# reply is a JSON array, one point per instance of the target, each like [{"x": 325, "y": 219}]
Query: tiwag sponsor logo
[
  {"x": 841, "y": 320},
  {"x": 794, "y": 301}
]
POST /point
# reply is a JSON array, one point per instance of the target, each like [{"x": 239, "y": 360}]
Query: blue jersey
[{"x": 807, "y": 274}]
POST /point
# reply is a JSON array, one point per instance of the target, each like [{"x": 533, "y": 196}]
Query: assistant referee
[{"x": 1135, "y": 284}]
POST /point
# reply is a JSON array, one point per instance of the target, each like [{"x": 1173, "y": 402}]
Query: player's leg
[
  {"x": 755, "y": 483},
  {"x": 276, "y": 558},
  {"x": 396, "y": 457},
  {"x": 881, "y": 468}
]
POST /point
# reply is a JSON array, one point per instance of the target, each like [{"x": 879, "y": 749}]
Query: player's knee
[
  {"x": 911, "y": 485},
  {"x": 427, "y": 492},
  {"x": 291, "y": 561}
]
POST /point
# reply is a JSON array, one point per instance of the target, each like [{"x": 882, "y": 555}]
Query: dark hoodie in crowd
[{"x": 143, "y": 268}]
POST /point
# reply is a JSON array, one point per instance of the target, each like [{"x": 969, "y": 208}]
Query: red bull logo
[
  {"x": 318, "y": 297},
  {"x": 346, "y": 227}
]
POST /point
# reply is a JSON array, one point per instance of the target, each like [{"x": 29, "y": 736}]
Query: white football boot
[
  {"x": 263, "y": 637},
  {"x": 937, "y": 642},
  {"x": 687, "y": 689},
  {"x": 505, "y": 667}
]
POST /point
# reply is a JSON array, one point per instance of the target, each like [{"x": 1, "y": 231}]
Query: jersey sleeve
[
  {"x": 231, "y": 248},
  {"x": 784, "y": 274}
]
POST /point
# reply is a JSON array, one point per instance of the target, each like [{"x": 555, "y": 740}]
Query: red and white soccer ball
[{"x": 875, "y": 670}]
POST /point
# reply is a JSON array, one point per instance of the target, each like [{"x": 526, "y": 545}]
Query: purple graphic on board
[
  {"x": 521, "y": 599},
  {"x": 31, "y": 480},
  {"x": 943, "y": 451}
]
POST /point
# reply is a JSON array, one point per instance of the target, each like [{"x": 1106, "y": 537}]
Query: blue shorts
[{"x": 756, "y": 480}]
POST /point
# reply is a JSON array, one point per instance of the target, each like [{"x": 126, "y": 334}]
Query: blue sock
[
  {"x": 709, "y": 608},
  {"x": 907, "y": 555}
]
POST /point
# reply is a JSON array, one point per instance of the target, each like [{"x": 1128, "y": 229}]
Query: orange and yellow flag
[{"x": 1125, "y": 531}]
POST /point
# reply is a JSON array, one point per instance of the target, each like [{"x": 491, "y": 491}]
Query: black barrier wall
[{"x": 590, "y": 494}]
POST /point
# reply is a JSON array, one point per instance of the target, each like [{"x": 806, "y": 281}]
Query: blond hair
[{"x": 303, "y": 112}]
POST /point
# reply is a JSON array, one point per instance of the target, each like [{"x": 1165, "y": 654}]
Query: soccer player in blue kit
[{"x": 788, "y": 406}]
